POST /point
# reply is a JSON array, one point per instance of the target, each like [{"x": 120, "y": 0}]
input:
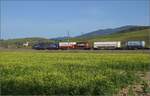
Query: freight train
[{"x": 86, "y": 45}]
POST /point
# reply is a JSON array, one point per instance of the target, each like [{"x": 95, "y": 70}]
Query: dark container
[{"x": 83, "y": 45}]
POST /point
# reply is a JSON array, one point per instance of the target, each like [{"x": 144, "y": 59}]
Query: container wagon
[
  {"x": 107, "y": 45},
  {"x": 67, "y": 45},
  {"x": 83, "y": 45},
  {"x": 135, "y": 44}
]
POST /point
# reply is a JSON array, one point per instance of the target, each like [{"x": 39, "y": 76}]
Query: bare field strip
[{"x": 76, "y": 51}]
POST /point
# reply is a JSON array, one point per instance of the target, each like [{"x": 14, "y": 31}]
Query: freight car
[
  {"x": 135, "y": 44},
  {"x": 83, "y": 45},
  {"x": 107, "y": 45},
  {"x": 67, "y": 45}
]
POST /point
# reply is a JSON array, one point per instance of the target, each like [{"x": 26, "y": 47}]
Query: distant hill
[
  {"x": 19, "y": 41},
  {"x": 103, "y": 32},
  {"x": 125, "y": 36},
  {"x": 60, "y": 38},
  {"x": 32, "y": 39},
  {"x": 113, "y": 30}
]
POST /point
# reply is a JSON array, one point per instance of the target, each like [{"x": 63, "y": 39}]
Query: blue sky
[{"x": 54, "y": 18}]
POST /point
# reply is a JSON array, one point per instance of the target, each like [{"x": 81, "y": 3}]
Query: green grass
[{"x": 40, "y": 73}]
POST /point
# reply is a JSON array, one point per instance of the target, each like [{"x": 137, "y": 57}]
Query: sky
[{"x": 49, "y": 19}]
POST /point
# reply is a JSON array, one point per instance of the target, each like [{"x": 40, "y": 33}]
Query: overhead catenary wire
[{"x": 68, "y": 35}]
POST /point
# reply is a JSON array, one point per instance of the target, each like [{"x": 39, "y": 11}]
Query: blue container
[{"x": 135, "y": 44}]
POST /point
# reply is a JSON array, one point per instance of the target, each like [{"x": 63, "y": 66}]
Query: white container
[{"x": 114, "y": 44}]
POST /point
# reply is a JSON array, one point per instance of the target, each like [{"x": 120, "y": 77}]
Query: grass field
[{"x": 43, "y": 73}]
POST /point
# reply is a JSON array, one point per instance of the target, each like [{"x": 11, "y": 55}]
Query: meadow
[{"x": 45, "y": 73}]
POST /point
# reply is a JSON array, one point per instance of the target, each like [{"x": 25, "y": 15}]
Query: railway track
[{"x": 77, "y": 51}]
